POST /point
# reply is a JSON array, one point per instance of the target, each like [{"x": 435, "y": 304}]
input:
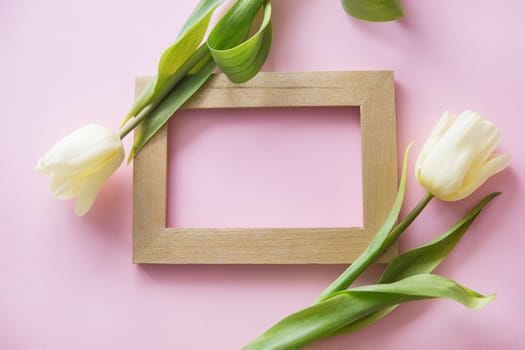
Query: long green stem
[
  {"x": 373, "y": 251},
  {"x": 195, "y": 58}
]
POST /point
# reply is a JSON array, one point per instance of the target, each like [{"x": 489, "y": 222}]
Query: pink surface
[
  {"x": 68, "y": 282},
  {"x": 265, "y": 168}
]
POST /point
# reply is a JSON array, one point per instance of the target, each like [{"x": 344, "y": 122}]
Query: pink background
[{"x": 68, "y": 282}]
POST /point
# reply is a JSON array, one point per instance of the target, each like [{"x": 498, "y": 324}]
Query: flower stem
[
  {"x": 196, "y": 57},
  {"x": 135, "y": 121},
  {"x": 373, "y": 251}
]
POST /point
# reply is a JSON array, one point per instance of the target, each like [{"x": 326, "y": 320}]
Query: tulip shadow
[
  {"x": 235, "y": 276},
  {"x": 110, "y": 215},
  {"x": 508, "y": 183},
  {"x": 486, "y": 230},
  {"x": 251, "y": 276},
  {"x": 287, "y": 25}
]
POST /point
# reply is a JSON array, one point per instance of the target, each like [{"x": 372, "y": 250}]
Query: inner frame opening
[{"x": 265, "y": 167}]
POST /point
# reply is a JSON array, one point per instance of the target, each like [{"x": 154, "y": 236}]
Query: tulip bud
[
  {"x": 80, "y": 163},
  {"x": 458, "y": 156}
]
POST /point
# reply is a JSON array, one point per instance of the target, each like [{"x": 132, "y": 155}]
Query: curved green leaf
[
  {"x": 420, "y": 260},
  {"x": 344, "y": 307},
  {"x": 374, "y": 10},
  {"x": 376, "y": 245},
  {"x": 169, "y": 72},
  {"x": 240, "y": 58}
]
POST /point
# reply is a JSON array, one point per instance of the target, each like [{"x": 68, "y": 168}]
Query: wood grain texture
[{"x": 372, "y": 91}]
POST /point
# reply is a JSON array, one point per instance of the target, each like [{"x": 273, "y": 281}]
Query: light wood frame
[{"x": 372, "y": 91}]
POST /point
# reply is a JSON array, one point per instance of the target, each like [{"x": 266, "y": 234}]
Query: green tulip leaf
[
  {"x": 376, "y": 245},
  {"x": 345, "y": 307},
  {"x": 238, "y": 57},
  {"x": 169, "y": 69},
  {"x": 228, "y": 47},
  {"x": 374, "y": 10},
  {"x": 426, "y": 258},
  {"x": 420, "y": 260}
]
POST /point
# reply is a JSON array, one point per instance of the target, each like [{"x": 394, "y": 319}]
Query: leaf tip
[
  {"x": 125, "y": 120},
  {"x": 483, "y": 301},
  {"x": 495, "y": 194},
  {"x": 131, "y": 155}
]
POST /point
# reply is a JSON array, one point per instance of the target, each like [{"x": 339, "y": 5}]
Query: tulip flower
[
  {"x": 80, "y": 163},
  {"x": 458, "y": 156},
  {"x": 340, "y": 311}
]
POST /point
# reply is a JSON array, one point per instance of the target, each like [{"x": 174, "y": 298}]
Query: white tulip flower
[
  {"x": 458, "y": 156},
  {"x": 80, "y": 163}
]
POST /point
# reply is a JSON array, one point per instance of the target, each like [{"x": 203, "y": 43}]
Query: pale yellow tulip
[
  {"x": 458, "y": 156},
  {"x": 80, "y": 163}
]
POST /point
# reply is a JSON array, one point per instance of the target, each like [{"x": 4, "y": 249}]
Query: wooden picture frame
[{"x": 372, "y": 91}]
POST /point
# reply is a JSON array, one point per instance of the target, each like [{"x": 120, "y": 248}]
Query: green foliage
[
  {"x": 169, "y": 71},
  {"x": 420, "y": 260},
  {"x": 345, "y": 307},
  {"x": 185, "y": 67},
  {"x": 240, "y": 58},
  {"x": 374, "y": 10}
]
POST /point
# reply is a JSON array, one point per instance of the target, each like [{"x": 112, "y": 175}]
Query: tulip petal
[
  {"x": 445, "y": 122},
  {"x": 77, "y": 152},
  {"x": 490, "y": 139},
  {"x": 39, "y": 168},
  {"x": 92, "y": 183},
  {"x": 64, "y": 187},
  {"x": 457, "y": 157},
  {"x": 494, "y": 165},
  {"x": 448, "y": 162}
]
